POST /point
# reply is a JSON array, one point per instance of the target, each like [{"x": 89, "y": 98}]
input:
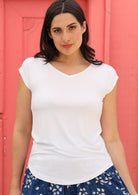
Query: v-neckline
[{"x": 67, "y": 75}]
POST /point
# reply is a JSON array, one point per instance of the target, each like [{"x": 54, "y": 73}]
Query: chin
[{"x": 68, "y": 52}]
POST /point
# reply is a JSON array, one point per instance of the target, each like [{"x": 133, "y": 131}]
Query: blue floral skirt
[{"x": 107, "y": 183}]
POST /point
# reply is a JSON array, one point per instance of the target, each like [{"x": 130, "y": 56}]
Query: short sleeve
[
  {"x": 24, "y": 71},
  {"x": 112, "y": 78}
]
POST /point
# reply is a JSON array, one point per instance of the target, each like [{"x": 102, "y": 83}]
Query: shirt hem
[{"x": 77, "y": 181}]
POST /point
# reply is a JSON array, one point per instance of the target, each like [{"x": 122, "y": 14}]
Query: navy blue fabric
[{"x": 107, "y": 183}]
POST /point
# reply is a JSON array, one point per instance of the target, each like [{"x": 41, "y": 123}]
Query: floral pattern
[
  {"x": 29, "y": 179},
  {"x": 55, "y": 190},
  {"x": 108, "y": 183}
]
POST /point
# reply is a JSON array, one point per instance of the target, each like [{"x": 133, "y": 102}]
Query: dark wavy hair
[{"x": 47, "y": 47}]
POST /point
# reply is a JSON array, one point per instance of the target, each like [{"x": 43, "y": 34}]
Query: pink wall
[
  {"x": 124, "y": 56},
  {"x": 113, "y": 34}
]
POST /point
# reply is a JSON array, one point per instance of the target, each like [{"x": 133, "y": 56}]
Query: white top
[{"x": 67, "y": 147}]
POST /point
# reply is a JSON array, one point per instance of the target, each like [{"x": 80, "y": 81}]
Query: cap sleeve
[
  {"x": 24, "y": 72},
  {"x": 112, "y": 78}
]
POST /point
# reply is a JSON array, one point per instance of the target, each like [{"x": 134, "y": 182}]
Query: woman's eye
[
  {"x": 59, "y": 30},
  {"x": 72, "y": 27},
  {"x": 56, "y": 31}
]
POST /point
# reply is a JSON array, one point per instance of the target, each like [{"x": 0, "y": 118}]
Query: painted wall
[
  {"x": 124, "y": 55},
  {"x": 113, "y": 34}
]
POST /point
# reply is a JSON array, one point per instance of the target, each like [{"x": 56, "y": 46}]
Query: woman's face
[{"x": 66, "y": 33}]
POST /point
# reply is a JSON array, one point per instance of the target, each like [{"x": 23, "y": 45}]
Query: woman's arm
[
  {"x": 112, "y": 139},
  {"x": 21, "y": 135}
]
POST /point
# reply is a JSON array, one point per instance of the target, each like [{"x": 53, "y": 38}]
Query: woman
[{"x": 67, "y": 100}]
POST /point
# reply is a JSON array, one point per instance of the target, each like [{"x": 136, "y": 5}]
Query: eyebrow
[{"x": 66, "y": 26}]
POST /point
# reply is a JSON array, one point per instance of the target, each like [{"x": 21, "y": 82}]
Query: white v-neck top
[{"x": 67, "y": 145}]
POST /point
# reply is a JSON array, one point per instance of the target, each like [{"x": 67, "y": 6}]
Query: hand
[{"x": 15, "y": 192}]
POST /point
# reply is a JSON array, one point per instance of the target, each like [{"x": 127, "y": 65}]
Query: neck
[{"x": 75, "y": 58}]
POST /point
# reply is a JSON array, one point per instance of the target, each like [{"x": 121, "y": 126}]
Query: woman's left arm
[{"x": 112, "y": 140}]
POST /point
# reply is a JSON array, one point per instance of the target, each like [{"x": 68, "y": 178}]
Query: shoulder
[
  {"x": 105, "y": 67},
  {"x": 109, "y": 68},
  {"x": 110, "y": 77},
  {"x": 32, "y": 61},
  {"x": 105, "y": 70},
  {"x": 110, "y": 71},
  {"x": 106, "y": 75},
  {"x": 28, "y": 60}
]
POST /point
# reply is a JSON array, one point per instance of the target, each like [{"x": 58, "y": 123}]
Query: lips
[{"x": 67, "y": 46}]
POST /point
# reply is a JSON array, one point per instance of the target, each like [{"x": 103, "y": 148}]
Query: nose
[{"x": 65, "y": 37}]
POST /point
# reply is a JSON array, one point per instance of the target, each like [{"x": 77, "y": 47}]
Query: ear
[{"x": 84, "y": 26}]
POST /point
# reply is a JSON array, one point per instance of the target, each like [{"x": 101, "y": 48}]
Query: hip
[{"x": 107, "y": 183}]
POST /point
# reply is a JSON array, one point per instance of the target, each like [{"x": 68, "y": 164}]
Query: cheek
[
  {"x": 78, "y": 37},
  {"x": 75, "y": 34},
  {"x": 56, "y": 41}
]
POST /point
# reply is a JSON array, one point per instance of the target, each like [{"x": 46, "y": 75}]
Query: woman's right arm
[{"x": 21, "y": 135}]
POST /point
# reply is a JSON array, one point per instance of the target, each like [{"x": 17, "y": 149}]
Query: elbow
[{"x": 112, "y": 139}]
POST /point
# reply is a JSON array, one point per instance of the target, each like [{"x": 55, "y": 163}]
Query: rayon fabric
[
  {"x": 66, "y": 128},
  {"x": 107, "y": 183}
]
